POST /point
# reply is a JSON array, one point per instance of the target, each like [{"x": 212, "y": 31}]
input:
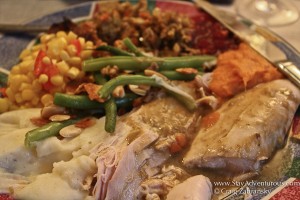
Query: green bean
[
  {"x": 155, "y": 81},
  {"x": 75, "y": 101},
  {"x": 108, "y": 87},
  {"x": 114, "y": 50},
  {"x": 82, "y": 102},
  {"x": 129, "y": 44},
  {"x": 99, "y": 78},
  {"x": 142, "y": 63},
  {"x": 48, "y": 130},
  {"x": 3, "y": 79},
  {"x": 110, "y": 107},
  {"x": 122, "y": 62},
  {"x": 173, "y": 75},
  {"x": 173, "y": 63}
]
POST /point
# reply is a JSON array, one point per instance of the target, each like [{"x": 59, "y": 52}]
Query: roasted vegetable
[
  {"x": 48, "y": 130},
  {"x": 142, "y": 63}
]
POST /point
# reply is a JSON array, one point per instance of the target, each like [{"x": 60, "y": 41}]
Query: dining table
[{"x": 20, "y": 12}]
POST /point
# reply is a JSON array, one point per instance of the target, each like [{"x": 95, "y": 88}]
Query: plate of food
[{"x": 145, "y": 100}]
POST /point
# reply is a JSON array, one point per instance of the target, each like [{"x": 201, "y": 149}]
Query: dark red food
[
  {"x": 6, "y": 197},
  {"x": 42, "y": 68},
  {"x": 211, "y": 37}
]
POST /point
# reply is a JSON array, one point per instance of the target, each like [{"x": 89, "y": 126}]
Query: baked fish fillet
[{"x": 250, "y": 127}]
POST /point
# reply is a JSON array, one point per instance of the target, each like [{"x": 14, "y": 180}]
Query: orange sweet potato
[{"x": 241, "y": 69}]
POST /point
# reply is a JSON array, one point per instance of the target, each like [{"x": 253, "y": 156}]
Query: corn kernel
[
  {"x": 47, "y": 99},
  {"x": 18, "y": 98},
  {"x": 61, "y": 34},
  {"x": 43, "y": 78},
  {"x": 64, "y": 55},
  {"x": 28, "y": 58},
  {"x": 75, "y": 61},
  {"x": 71, "y": 50},
  {"x": 54, "y": 48},
  {"x": 71, "y": 36},
  {"x": 15, "y": 82},
  {"x": 62, "y": 41},
  {"x": 15, "y": 70},
  {"x": 63, "y": 67},
  {"x": 46, "y": 37},
  {"x": 46, "y": 60},
  {"x": 24, "y": 79},
  {"x": 36, "y": 86},
  {"x": 36, "y": 47},
  {"x": 4, "y": 105},
  {"x": 24, "y": 53},
  {"x": 86, "y": 54},
  {"x": 89, "y": 44},
  {"x": 34, "y": 54},
  {"x": 27, "y": 94},
  {"x": 31, "y": 76},
  {"x": 26, "y": 66},
  {"x": 35, "y": 101},
  {"x": 81, "y": 41},
  {"x": 24, "y": 86},
  {"x": 57, "y": 80},
  {"x": 10, "y": 94},
  {"x": 73, "y": 72}
]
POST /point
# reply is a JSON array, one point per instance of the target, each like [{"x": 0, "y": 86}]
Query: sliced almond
[
  {"x": 187, "y": 70},
  {"x": 138, "y": 90},
  {"x": 119, "y": 91},
  {"x": 149, "y": 72},
  {"x": 51, "y": 110},
  {"x": 70, "y": 131},
  {"x": 59, "y": 118}
]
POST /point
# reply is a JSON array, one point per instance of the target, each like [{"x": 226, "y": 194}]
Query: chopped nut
[
  {"x": 187, "y": 70},
  {"x": 110, "y": 71}
]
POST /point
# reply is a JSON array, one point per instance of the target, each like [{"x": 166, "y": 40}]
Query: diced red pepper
[
  {"x": 77, "y": 45},
  {"x": 85, "y": 123},
  {"x": 42, "y": 68},
  {"x": 39, "y": 65}
]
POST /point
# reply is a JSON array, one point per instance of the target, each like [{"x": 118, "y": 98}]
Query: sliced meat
[
  {"x": 126, "y": 159},
  {"x": 127, "y": 177},
  {"x": 249, "y": 128},
  {"x": 160, "y": 184}
]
